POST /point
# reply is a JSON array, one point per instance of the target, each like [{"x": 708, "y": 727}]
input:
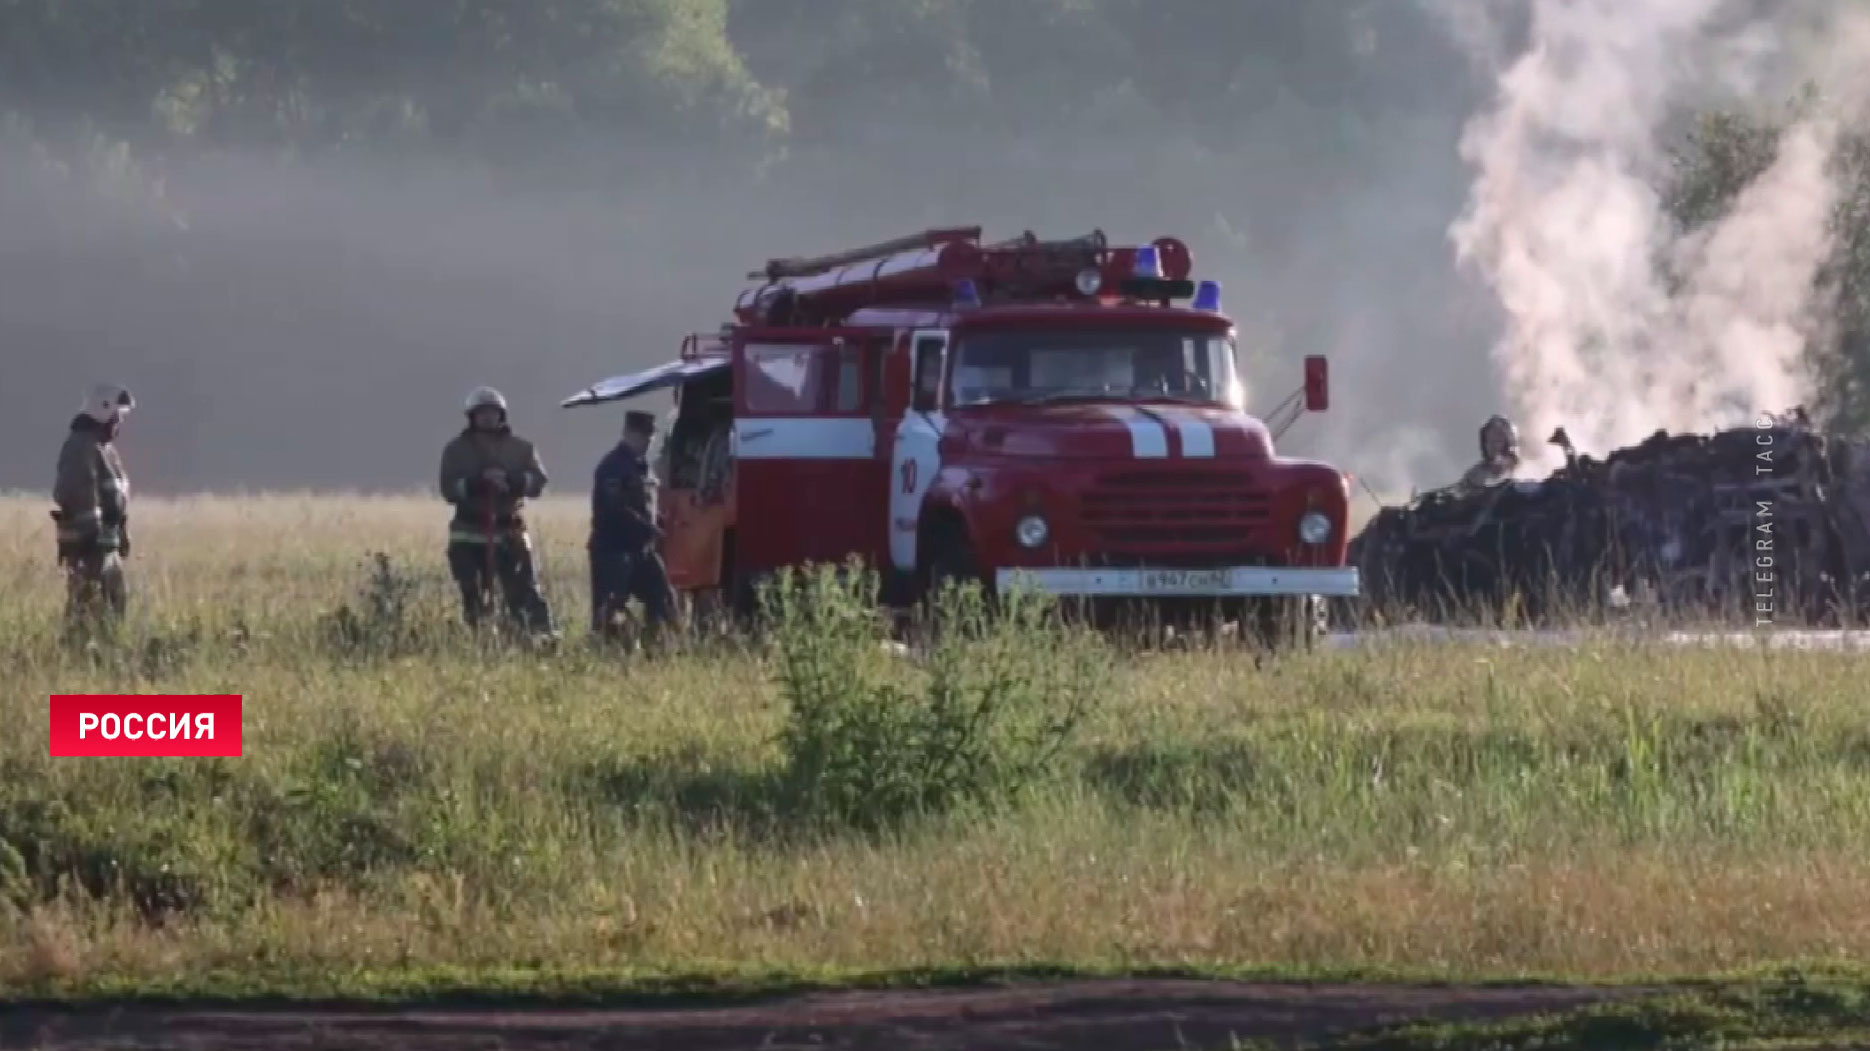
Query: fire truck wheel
[
  {"x": 742, "y": 604},
  {"x": 952, "y": 561},
  {"x": 1290, "y": 623}
]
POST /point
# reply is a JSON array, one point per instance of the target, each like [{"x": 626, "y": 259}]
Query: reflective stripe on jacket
[{"x": 462, "y": 534}]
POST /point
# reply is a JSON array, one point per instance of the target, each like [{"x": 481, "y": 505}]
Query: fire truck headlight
[
  {"x": 1090, "y": 281},
  {"x": 1031, "y": 531},
  {"x": 1314, "y": 528}
]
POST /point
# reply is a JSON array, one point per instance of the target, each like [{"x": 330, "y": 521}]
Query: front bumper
[{"x": 1219, "y": 582}]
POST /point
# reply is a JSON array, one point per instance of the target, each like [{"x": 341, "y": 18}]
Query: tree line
[
  {"x": 758, "y": 79},
  {"x": 325, "y": 73}
]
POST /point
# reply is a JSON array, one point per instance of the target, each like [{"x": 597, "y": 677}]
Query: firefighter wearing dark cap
[{"x": 624, "y": 561}]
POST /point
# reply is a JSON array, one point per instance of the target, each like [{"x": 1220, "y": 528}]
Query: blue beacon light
[
  {"x": 1208, "y": 297},
  {"x": 1148, "y": 262},
  {"x": 965, "y": 294}
]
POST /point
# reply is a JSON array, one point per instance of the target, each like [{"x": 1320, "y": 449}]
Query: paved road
[
  {"x": 1777, "y": 638},
  {"x": 1114, "y": 1015}
]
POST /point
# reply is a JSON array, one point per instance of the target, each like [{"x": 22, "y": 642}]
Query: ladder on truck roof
[
  {"x": 927, "y": 266},
  {"x": 805, "y": 266}
]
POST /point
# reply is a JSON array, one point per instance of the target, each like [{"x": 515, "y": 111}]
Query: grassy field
[{"x": 434, "y": 810}]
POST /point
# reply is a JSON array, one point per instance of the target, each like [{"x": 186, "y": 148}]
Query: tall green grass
[{"x": 1016, "y": 793}]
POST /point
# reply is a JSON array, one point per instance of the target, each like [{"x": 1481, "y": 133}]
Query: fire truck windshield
[{"x": 1030, "y": 366}]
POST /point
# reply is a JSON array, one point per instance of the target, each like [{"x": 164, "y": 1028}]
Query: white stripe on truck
[
  {"x": 1197, "y": 434},
  {"x": 804, "y": 438},
  {"x": 1148, "y": 439}
]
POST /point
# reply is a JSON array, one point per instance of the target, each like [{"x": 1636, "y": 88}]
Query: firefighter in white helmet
[
  {"x": 92, "y": 494},
  {"x": 488, "y": 473},
  {"x": 1499, "y": 455}
]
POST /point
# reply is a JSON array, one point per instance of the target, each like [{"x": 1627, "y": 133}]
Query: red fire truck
[{"x": 1060, "y": 415}]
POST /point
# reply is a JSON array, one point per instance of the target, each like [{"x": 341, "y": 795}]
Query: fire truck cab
[{"x": 1066, "y": 416}]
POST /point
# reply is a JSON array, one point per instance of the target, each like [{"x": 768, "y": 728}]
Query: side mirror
[{"x": 1317, "y": 383}]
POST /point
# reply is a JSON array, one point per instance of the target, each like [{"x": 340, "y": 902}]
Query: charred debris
[{"x": 1762, "y": 525}]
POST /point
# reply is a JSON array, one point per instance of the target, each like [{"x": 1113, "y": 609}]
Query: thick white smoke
[{"x": 1617, "y": 323}]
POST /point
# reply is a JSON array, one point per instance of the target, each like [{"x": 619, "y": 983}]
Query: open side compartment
[{"x": 696, "y": 465}]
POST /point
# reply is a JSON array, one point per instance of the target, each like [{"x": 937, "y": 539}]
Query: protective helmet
[
  {"x": 1501, "y": 427},
  {"x": 107, "y": 402},
  {"x": 483, "y": 398}
]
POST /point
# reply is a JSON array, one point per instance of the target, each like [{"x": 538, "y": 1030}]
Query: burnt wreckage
[{"x": 1763, "y": 524}]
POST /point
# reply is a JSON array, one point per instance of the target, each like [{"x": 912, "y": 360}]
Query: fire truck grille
[{"x": 1149, "y": 510}]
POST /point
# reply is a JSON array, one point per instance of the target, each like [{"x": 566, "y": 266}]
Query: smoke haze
[
  {"x": 1464, "y": 218},
  {"x": 1617, "y": 323}
]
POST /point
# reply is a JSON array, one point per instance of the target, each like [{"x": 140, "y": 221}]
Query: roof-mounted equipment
[{"x": 928, "y": 268}]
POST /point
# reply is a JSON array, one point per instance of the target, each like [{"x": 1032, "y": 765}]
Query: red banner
[{"x": 146, "y": 724}]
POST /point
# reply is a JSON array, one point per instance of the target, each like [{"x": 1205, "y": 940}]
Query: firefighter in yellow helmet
[
  {"x": 92, "y": 494},
  {"x": 1499, "y": 455},
  {"x": 488, "y": 473}
]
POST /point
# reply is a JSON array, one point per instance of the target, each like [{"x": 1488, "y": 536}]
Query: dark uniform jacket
[
  {"x": 465, "y": 459},
  {"x": 92, "y": 491},
  {"x": 623, "y": 502}
]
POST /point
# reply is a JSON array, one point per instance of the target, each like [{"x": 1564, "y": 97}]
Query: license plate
[{"x": 1199, "y": 581}]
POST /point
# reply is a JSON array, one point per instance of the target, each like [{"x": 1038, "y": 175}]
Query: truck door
[
  {"x": 808, "y": 479},
  {"x": 915, "y": 455}
]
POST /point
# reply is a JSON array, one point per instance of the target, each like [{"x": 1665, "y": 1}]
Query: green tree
[
  {"x": 316, "y": 73},
  {"x": 1726, "y": 151}
]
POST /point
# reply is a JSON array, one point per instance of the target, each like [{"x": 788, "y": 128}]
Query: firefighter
[
  {"x": 488, "y": 473},
  {"x": 92, "y": 494},
  {"x": 624, "y": 561},
  {"x": 1499, "y": 455}
]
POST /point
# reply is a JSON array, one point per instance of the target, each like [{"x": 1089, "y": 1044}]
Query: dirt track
[{"x": 1114, "y": 1015}]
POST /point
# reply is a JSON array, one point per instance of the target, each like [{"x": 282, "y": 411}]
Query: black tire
[
  {"x": 746, "y": 614},
  {"x": 951, "y": 562},
  {"x": 1283, "y": 624},
  {"x": 712, "y": 615}
]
